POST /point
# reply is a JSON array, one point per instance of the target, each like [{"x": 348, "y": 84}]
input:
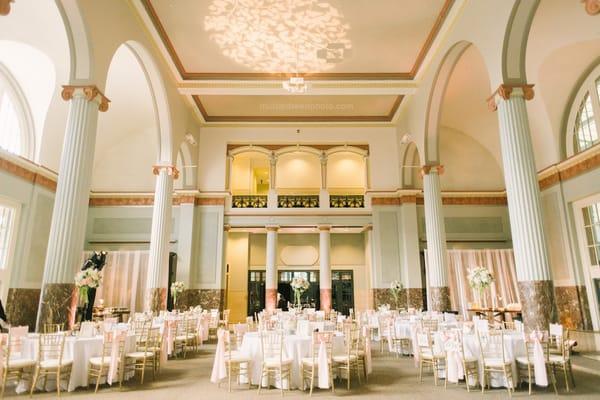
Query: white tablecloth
[
  {"x": 295, "y": 346},
  {"x": 80, "y": 350}
]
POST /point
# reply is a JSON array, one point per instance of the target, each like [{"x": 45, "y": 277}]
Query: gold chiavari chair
[
  {"x": 348, "y": 362},
  {"x": 562, "y": 362},
  {"x": 362, "y": 349},
  {"x": 146, "y": 354},
  {"x": 14, "y": 368},
  {"x": 309, "y": 366},
  {"x": 99, "y": 367},
  {"x": 225, "y": 321},
  {"x": 50, "y": 361},
  {"x": 53, "y": 328},
  {"x": 428, "y": 356},
  {"x": 470, "y": 363},
  {"x": 430, "y": 324},
  {"x": 509, "y": 325},
  {"x": 213, "y": 323},
  {"x": 274, "y": 361},
  {"x": 494, "y": 359},
  {"x": 384, "y": 332},
  {"x": 237, "y": 365},
  {"x": 191, "y": 334},
  {"x": 525, "y": 364}
]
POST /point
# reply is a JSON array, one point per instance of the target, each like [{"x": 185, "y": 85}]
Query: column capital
[
  {"x": 171, "y": 170},
  {"x": 592, "y": 7},
  {"x": 427, "y": 169},
  {"x": 272, "y": 228},
  {"x": 368, "y": 227},
  {"x": 91, "y": 93},
  {"x": 324, "y": 228},
  {"x": 323, "y": 158},
  {"x": 5, "y": 6},
  {"x": 505, "y": 91},
  {"x": 226, "y": 227},
  {"x": 273, "y": 158}
]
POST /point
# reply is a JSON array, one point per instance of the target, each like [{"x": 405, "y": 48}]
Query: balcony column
[
  {"x": 157, "y": 278},
  {"x": 325, "y": 267},
  {"x": 228, "y": 170},
  {"x": 271, "y": 268},
  {"x": 272, "y": 196},
  {"x": 437, "y": 258},
  {"x": 58, "y": 300},
  {"x": 367, "y": 172},
  {"x": 323, "y": 193},
  {"x": 534, "y": 277}
]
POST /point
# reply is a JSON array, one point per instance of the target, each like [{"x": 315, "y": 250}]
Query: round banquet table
[
  {"x": 514, "y": 346},
  {"x": 80, "y": 350},
  {"x": 295, "y": 346}
]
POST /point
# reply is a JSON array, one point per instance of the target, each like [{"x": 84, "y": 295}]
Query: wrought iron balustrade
[
  {"x": 298, "y": 201},
  {"x": 249, "y": 201},
  {"x": 347, "y": 201}
]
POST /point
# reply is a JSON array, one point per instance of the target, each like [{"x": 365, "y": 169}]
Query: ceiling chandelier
[{"x": 279, "y": 36}]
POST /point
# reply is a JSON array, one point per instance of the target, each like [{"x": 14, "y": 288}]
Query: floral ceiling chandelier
[{"x": 279, "y": 36}]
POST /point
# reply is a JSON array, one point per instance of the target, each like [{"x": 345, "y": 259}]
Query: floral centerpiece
[
  {"x": 480, "y": 278},
  {"x": 177, "y": 288},
  {"x": 299, "y": 285},
  {"x": 396, "y": 288},
  {"x": 87, "y": 279}
]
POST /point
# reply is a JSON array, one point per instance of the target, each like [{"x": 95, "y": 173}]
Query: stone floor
[{"x": 392, "y": 378}]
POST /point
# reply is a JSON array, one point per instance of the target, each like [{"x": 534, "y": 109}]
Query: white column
[
  {"x": 228, "y": 170},
  {"x": 69, "y": 216},
  {"x": 437, "y": 264},
  {"x": 271, "y": 269},
  {"x": 411, "y": 273},
  {"x": 158, "y": 259},
  {"x": 272, "y": 196},
  {"x": 324, "y": 193},
  {"x": 523, "y": 195},
  {"x": 325, "y": 267}
]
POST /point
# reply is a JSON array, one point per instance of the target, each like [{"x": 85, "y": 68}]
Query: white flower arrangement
[
  {"x": 88, "y": 279},
  {"x": 480, "y": 278},
  {"x": 177, "y": 288},
  {"x": 299, "y": 285},
  {"x": 396, "y": 288}
]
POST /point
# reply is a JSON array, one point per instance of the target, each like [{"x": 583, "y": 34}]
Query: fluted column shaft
[
  {"x": 157, "y": 278},
  {"x": 58, "y": 300},
  {"x": 524, "y": 207},
  {"x": 271, "y": 269},
  {"x": 325, "y": 267},
  {"x": 437, "y": 263}
]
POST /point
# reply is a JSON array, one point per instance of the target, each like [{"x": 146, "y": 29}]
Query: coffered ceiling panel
[{"x": 221, "y": 39}]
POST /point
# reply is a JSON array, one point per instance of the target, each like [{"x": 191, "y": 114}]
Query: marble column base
[
  {"x": 206, "y": 298},
  {"x": 573, "y": 308},
  {"x": 270, "y": 299},
  {"x": 440, "y": 298},
  {"x": 325, "y": 299},
  {"x": 383, "y": 296},
  {"x": 415, "y": 298},
  {"x": 538, "y": 307},
  {"x": 156, "y": 299},
  {"x": 58, "y": 305},
  {"x": 22, "y": 307}
]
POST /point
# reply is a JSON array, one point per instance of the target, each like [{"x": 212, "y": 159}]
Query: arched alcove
[
  {"x": 298, "y": 172},
  {"x": 250, "y": 173},
  {"x": 346, "y": 172}
]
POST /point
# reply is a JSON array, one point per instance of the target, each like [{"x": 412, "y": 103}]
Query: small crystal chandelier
[{"x": 295, "y": 85}]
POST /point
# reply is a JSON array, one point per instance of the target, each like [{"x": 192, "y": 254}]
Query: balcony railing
[
  {"x": 249, "y": 201},
  {"x": 298, "y": 201},
  {"x": 346, "y": 201}
]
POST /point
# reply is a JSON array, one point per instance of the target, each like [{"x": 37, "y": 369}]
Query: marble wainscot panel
[
  {"x": 573, "y": 308},
  {"x": 385, "y": 296},
  {"x": 156, "y": 299},
  {"x": 270, "y": 299},
  {"x": 58, "y": 306},
  {"x": 440, "y": 298},
  {"x": 585, "y": 308},
  {"x": 537, "y": 299},
  {"x": 325, "y": 299},
  {"x": 206, "y": 298},
  {"x": 415, "y": 297},
  {"x": 22, "y": 307}
]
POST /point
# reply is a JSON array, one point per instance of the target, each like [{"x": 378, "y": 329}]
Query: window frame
[
  {"x": 9, "y": 85},
  {"x": 588, "y": 86}
]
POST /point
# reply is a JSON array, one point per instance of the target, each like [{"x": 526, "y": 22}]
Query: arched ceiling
[{"x": 126, "y": 142}]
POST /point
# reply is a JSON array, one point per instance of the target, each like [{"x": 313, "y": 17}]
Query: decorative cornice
[
  {"x": 171, "y": 170},
  {"x": 186, "y": 199},
  {"x": 394, "y": 201},
  {"x": 427, "y": 169},
  {"x": 592, "y": 7},
  {"x": 209, "y": 201},
  {"x": 272, "y": 228},
  {"x": 504, "y": 91},
  {"x": 324, "y": 228},
  {"x": 570, "y": 168},
  {"x": 91, "y": 93},
  {"x": 5, "y": 6},
  {"x": 27, "y": 174},
  {"x": 141, "y": 200}
]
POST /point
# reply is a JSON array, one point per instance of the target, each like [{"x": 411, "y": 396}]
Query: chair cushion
[
  {"x": 237, "y": 358},
  {"x": 470, "y": 359},
  {"x": 426, "y": 354},
  {"x": 49, "y": 364},
  {"x": 274, "y": 362},
  {"x": 98, "y": 361},
  {"x": 344, "y": 359},
  {"x": 556, "y": 359},
  {"x": 495, "y": 362},
  {"x": 524, "y": 360},
  {"x": 140, "y": 354},
  {"x": 20, "y": 363}
]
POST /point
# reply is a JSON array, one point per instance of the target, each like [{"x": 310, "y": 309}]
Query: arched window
[
  {"x": 15, "y": 121},
  {"x": 584, "y": 121}
]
